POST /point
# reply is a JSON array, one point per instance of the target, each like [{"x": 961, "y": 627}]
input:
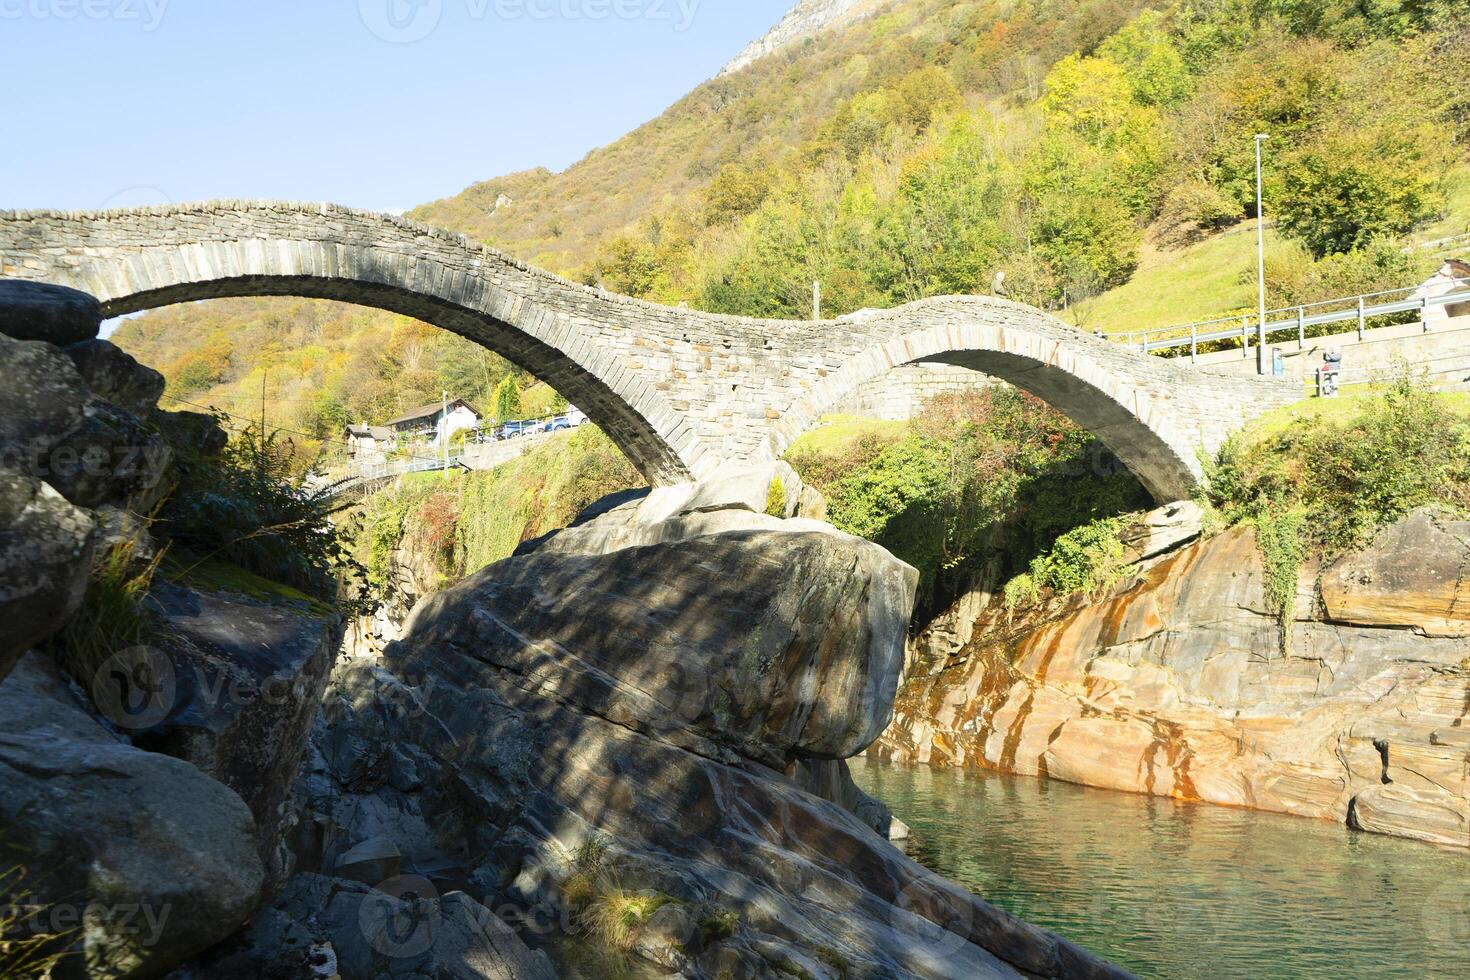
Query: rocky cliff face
[
  {"x": 142, "y": 799},
  {"x": 1180, "y": 683},
  {"x": 806, "y": 19}
]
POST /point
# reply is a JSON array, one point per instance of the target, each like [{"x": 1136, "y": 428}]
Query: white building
[{"x": 432, "y": 424}]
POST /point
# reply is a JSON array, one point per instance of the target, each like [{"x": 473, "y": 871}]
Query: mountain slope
[
  {"x": 920, "y": 147},
  {"x": 804, "y": 21},
  {"x": 761, "y": 117}
]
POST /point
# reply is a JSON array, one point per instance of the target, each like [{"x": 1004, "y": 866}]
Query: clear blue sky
[{"x": 122, "y": 102}]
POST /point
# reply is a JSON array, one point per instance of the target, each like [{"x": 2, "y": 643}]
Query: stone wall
[{"x": 900, "y": 395}]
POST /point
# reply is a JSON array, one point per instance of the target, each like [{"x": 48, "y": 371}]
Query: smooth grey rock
[
  {"x": 111, "y": 457},
  {"x": 406, "y": 931},
  {"x": 54, "y": 428},
  {"x": 116, "y": 376},
  {"x": 40, "y": 311},
  {"x": 41, "y": 403},
  {"x": 148, "y": 858},
  {"x": 733, "y": 498},
  {"x": 45, "y": 559},
  {"x": 248, "y": 679},
  {"x": 832, "y": 780},
  {"x": 372, "y": 862},
  {"x": 771, "y": 644},
  {"x": 637, "y": 701}
]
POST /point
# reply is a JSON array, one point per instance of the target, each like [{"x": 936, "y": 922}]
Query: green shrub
[
  {"x": 1280, "y": 537},
  {"x": 1022, "y": 591},
  {"x": 776, "y": 498},
  {"x": 113, "y": 616},
  {"x": 1294, "y": 278},
  {"x": 979, "y": 475},
  {"x": 1323, "y": 487},
  {"x": 247, "y": 506},
  {"x": 1404, "y": 449},
  {"x": 1087, "y": 559}
]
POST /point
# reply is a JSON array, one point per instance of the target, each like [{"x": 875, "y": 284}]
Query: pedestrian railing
[{"x": 1293, "y": 323}]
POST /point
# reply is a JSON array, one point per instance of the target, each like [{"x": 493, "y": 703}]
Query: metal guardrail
[
  {"x": 384, "y": 471},
  {"x": 1294, "y": 322}
]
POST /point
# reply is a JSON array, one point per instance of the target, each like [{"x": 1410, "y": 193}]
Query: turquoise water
[{"x": 1183, "y": 891}]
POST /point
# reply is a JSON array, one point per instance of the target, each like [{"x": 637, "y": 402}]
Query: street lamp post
[{"x": 1260, "y": 260}]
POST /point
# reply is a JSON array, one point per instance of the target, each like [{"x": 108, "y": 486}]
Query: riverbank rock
[
  {"x": 45, "y": 555},
  {"x": 565, "y": 733},
  {"x": 1180, "y": 683},
  {"x": 1412, "y": 576},
  {"x": 139, "y": 858},
  {"x": 773, "y": 645},
  {"x": 40, "y": 311},
  {"x": 246, "y": 677}
]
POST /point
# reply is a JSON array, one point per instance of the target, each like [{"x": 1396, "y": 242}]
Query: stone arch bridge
[{"x": 680, "y": 392}]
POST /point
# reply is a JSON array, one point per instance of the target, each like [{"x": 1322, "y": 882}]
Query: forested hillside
[{"x": 923, "y": 151}]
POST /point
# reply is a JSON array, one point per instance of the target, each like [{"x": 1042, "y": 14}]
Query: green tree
[
  {"x": 735, "y": 192},
  {"x": 941, "y": 233},
  {"x": 1150, "y": 59},
  {"x": 1346, "y": 190},
  {"x": 508, "y": 400},
  {"x": 628, "y": 264}
]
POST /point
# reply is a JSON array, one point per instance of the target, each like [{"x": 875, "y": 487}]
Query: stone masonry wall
[{"x": 680, "y": 391}]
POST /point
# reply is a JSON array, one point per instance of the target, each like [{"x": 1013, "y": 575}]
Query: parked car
[{"x": 514, "y": 430}]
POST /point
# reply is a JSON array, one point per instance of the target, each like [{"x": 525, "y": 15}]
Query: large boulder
[
  {"x": 55, "y": 428},
  {"x": 113, "y": 374},
  {"x": 773, "y": 645},
  {"x": 45, "y": 557},
  {"x": 565, "y": 731},
  {"x": 41, "y": 404},
  {"x": 247, "y": 676},
  {"x": 139, "y": 859},
  {"x": 40, "y": 311},
  {"x": 111, "y": 457}
]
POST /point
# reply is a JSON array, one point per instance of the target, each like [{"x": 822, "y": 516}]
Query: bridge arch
[
  {"x": 142, "y": 259},
  {"x": 1079, "y": 376}
]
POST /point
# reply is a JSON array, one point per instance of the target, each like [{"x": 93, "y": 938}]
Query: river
[{"x": 1181, "y": 891}]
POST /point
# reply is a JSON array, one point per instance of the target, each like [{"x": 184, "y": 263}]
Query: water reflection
[{"x": 1189, "y": 891}]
